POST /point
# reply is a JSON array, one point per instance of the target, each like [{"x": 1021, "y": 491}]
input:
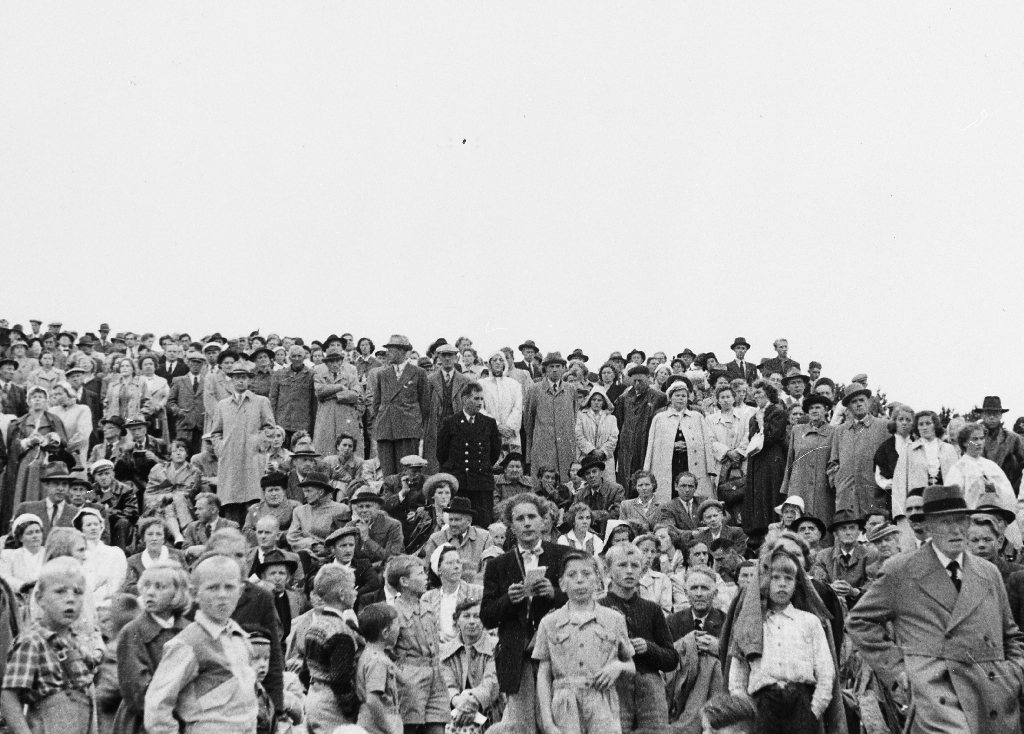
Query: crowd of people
[{"x": 264, "y": 534}]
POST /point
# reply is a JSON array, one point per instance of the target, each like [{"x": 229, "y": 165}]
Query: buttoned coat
[
  {"x": 851, "y": 465},
  {"x": 912, "y": 471},
  {"x": 964, "y": 645},
  {"x": 187, "y": 405},
  {"x": 634, "y": 414},
  {"x": 293, "y": 400},
  {"x": 216, "y": 388},
  {"x": 238, "y": 431},
  {"x": 747, "y": 371},
  {"x": 806, "y": 470},
  {"x": 549, "y": 421},
  {"x": 699, "y": 455},
  {"x": 632, "y": 512},
  {"x": 340, "y": 408},
  {"x": 598, "y": 432},
  {"x": 469, "y": 450},
  {"x": 829, "y": 566},
  {"x": 400, "y": 407},
  {"x": 13, "y": 401},
  {"x": 435, "y": 380}
]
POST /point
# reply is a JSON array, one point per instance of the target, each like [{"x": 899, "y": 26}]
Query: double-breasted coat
[
  {"x": 806, "y": 470},
  {"x": 186, "y": 403},
  {"x": 216, "y": 388},
  {"x": 954, "y": 647},
  {"x": 469, "y": 451},
  {"x": 21, "y": 480},
  {"x": 699, "y": 455},
  {"x": 238, "y": 430},
  {"x": 440, "y": 408},
  {"x": 293, "y": 399},
  {"x": 340, "y": 408},
  {"x": 634, "y": 414},
  {"x": 549, "y": 420},
  {"x": 400, "y": 407}
]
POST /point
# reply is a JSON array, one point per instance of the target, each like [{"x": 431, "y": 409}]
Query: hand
[
  {"x": 463, "y": 717},
  {"x": 543, "y": 587},
  {"x": 364, "y": 529},
  {"x": 607, "y": 676},
  {"x": 516, "y": 593},
  {"x": 639, "y": 645},
  {"x": 841, "y": 587},
  {"x": 707, "y": 643},
  {"x": 734, "y": 455},
  {"x": 150, "y": 456}
]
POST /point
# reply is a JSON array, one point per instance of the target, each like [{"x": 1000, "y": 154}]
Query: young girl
[
  {"x": 582, "y": 649},
  {"x": 376, "y": 675},
  {"x": 654, "y": 585},
  {"x": 580, "y": 537},
  {"x": 163, "y": 591}
]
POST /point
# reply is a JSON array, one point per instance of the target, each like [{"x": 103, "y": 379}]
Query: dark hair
[
  {"x": 724, "y": 711},
  {"x": 770, "y": 391},
  {"x": 374, "y": 619},
  {"x": 576, "y": 555},
  {"x": 179, "y": 444},
  {"x": 20, "y": 530},
  {"x": 298, "y": 436},
  {"x": 365, "y": 339},
  {"x": 342, "y": 437},
  {"x": 519, "y": 499},
  {"x": 400, "y": 567},
  {"x": 544, "y": 468},
  {"x": 150, "y": 357},
  {"x": 674, "y": 534},
  {"x": 689, "y": 549},
  {"x": 965, "y": 434},
  {"x": 209, "y": 497},
  {"x": 463, "y": 606},
  {"x": 470, "y": 388},
  {"x": 638, "y": 475},
  {"x": 147, "y": 522},
  {"x": 720, "y": 543},
  {"x": 729, "y": 567},
  {"x": 573, "y": 511},
  {"x": 940, "y": 430}
]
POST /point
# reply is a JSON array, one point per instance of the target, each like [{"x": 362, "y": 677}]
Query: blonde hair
[{"x": 178, "y": 578}]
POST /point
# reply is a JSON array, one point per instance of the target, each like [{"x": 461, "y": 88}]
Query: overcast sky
[{"x": 587, "y": 175}]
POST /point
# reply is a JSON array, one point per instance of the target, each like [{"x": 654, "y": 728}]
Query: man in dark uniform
[{"x": 468, "y": 445}]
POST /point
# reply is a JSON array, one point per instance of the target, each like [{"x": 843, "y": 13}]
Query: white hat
[
  {"x": 412, "y": 460},
  {"x": 795, "y": 501}
]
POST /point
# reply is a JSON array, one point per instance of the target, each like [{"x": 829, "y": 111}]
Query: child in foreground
[
  {"x": 376, "y": 675},
  {"x": 205, "y": 679},
  {"x": 46, "y": 669},
  {"x": 582, "y": 649}
]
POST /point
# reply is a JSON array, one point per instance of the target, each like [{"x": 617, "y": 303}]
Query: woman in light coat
[
  {"x": 77, "y": 420},
  {"x": 125, "y": 392},
  {"x": 341, "y": 403},
  {"x": 729, "y": 431},
  {"x": 926, "y": 461},
  {"x": 679, "y": 441},
  {"x": 47, "y": 375},
  {"x": 503, "y": 401},
  {"x": 975, "y": 474},
  {"x": 154, "y": 407},
  {"x": 597, "y": 430}
]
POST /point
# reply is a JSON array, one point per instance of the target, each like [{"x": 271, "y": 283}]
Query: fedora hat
[
  {"x": 55, "y": 471},
  {"x": 308, "y": 453},
  {"x": 845, "y": 517},
  {"x": 882, "y": 531},
  {"x": 686, "y": 353},
  {"x": 319, "y": 480},
  {"x": 851, "y": 394},
  {"x": 529, "y": 344},
  {"x": 578, "y": 354},
  {"x": 461, "y": 505},
  {"x": 616, "y": 357},
  {"x": 553, "y": 358},
  {"x": 115, "y": 420},
  {"x": 8, "y": 360},
  {"x": 365, "y": 494},
  {"x": 262, "y": 350},
  {"x": 993, "y": 404},
  {"x": 399, "y": 342},
  {"x": 794, "y": 374},
  {"x": 334, "y": 354},
  {"x": 590, "y": 462},
  {"x": 808, "y": 518},
  {"x": 992, "y": 503},
  {"x": 739, "y": 342},
  {"x": 816, "y": 400},
  {"x": 942, "y": 500},
  {"x": 134, "y": 421},
  {"x": 278, "y": 557},
  {"x": 641, "y": 352}
]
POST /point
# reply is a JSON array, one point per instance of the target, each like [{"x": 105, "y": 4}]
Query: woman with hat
[
  {"x": 30, "y": 440},
  {"x": 975, "y": 474},
  {"x": 154, "y": 405},
  {"x": 344, "y": 547},
  {"x": 125, "y": 393},
  {"x": 679, "y": 441},
  {"x": 789, "y": 511},
  {"x": 319, "y": 517},
  {"x": 20, "y": 565},
  {"x": 926, "y": 461},
  {"x": 274, "y": 503},
  {"x": 26, "y": 363},
  {"x": 597, "y": 432},
  {"x": 104, "y": 566},
  {"x": 806, "y": 477},
  {"x": 766, "y": 459},
  {"x": 340, "y": 401},
  {"x": 446, "y": 564},
  {"x": 77, "y": 420}
]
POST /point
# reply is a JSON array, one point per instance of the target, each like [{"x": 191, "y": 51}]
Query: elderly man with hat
[
  {"x": 55, "y": 510},
  {"x": 885, "y": 539},
  {"x": 460, "y": 533},
  {"x": 399, "y": 404},
  {"x": 740, "y": 367},
  {"x": 382, "y": 536},
  {"x": 796, "y": 385},
  {"x": 303, "y": 461},
  {"x": 238, "y": 427},
  {"x": 959, "y": 655},
  {"x": 339, "y": 401},
  {"x": 275, "y": 572},
  {"x": 468, "y": 446},
  {"x": 142, "y": 453},
  {"x": 851, "y": 464},
  {"x": 634, "y": 411},
  {"x": 119, "y": 499},
  {"x": 403, "y": 493},
  {"x": 446, "y": 383},
  {"x": 549, "y": 419},
  {"x": 844, "y": 565},
  {"x": 530, "y": 362},
  {"x": 1003, "y": 447},
  {"x": 185, "y": 404},
  {"x": 602, "y": 496}
]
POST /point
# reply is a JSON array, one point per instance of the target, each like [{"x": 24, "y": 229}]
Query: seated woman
[
  {"x": 433, "y": 517},
  {"x": 654, "y": 585},
  {"x": 579, "y": 536},
  {"x": 104, "y": 566},
  {"x": 207, "y": 463},
  {"x": 344, "y": 467},
  {"x": 20, "y": 566},
  {"x": 644, "y": 510},
  {"x": 274, "y": 503},
  {"x": 446, "y": 564},
  {"x": 171, "y": 489},
  {"x": 279, "y": 459},
  {"x": 467, "y": 665},
  {"x": 156, "y": 548},
  {"x": 550, "y": 488},
  {"x": 318, "y": 518},
  {"x": 47, "y": 375},
  {"x": 671, "y": 544}
]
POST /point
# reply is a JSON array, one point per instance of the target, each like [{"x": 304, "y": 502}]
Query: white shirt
[
  {"x": 530, "y": 557},
  {"x": 946, "y": 560}
]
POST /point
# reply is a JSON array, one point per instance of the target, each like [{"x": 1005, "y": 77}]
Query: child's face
[
  {"x": 389, "y": 637},
  {"x": 60, "y": 600},
  {"x": 416, "y": 582},
  {"x": 579, "y": 580},
  {"x": 745, "y": 577},
  {"x": 647, "y": 552},
  {"x": 782, "y": 583},
  {"x": 157, "y": 596},
  {"x": 498, "y": 535},
  {"x": 261, "y": 659},
  {"x": 218, "y": 593},
  {"x": 582, "y": 524}
]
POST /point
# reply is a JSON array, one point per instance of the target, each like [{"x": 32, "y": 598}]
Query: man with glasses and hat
[
  {"x": 1005, "y": 448},
  {"x": 958, "y": 654},
  {"x": 844, "y": 565},
  {"x": 399, "y": 405},
  {"x": 739, "y": 367}
]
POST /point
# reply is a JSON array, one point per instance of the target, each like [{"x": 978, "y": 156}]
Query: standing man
[
  {"x": 172, "y": 365},
  {"x": 399, "y": 405},
  {"x": 468, "y": 445},
  {"x": 851, "y": 464},
  {"x": 780, "y": 363},
  {"x": 238, "y": 427},
  {"x": 1003, "y": 447},
  {"x": 549, "y": 419},
  {"x": 446, "y": 385},
  {"x": 263, "y": 359},
  {"x": 529, "y": 364},
  {"x": 959, "y": 655},
  {"x": 634, "y": 411},
  {"x": 89, "y": 398},
  {"x": 739, "y": 367},
  {"x": 291, "y": 395},
  {"x": 12, "y": 395},
  {"x": 185, "y": 403}
]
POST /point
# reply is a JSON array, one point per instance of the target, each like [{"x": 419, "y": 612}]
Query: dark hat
[
  {"x": 686, "y": 353},
  {"x": 579, "y": 355},
  {"x": 640, "y": 369},
  {"x": 529, "y": 344},
  {"x": 87, "y": 340},
  {"x": 816, "y": 400},
  {"x": 233, "y": 354},
  {"x": 461, "y": 505},
  {"x": 809, "y": 518},
  {"x": 278, "y": 557},
  {"x": 274, "y": 479},
  {"x": 991, "y": 503},
  {"x": 425, "y": 363},
  {"x": 739, "y": 342},
  {"x": 707, "y": 505},
  {"x": 590, "y": 462},
  {"x": 512, "y": 456},
  {"x": 340, "y": 533},
  {"x": 435, "y": 344},
  {"x": 217, "y": 337},
  {"x": 332, "y": 338},
  {"x": 994, "y": 404},
  {"x": 670, "y": 381},
  {"x": 882, "y": 531},
  {"x": 68, "y": 334},
  {"x": 318, "y": 479},
  {"x": 76, "y": 369},
  {"x": 334, "y": 354},
  {"x": 616, "y": 356},
  {"x": 844, "y": 517},
  {"x": 116, "y": 420},
  {"x": 942, "y": 500},
  {"x": 399, "y": 341},
  {"x": 262, "y": 350},
  {"x": 104, "y": 327},
  {"x": 137, "y": 420},
  {"x": 365, "y": 494},
  {"x": 553, "y": 358},
  {"x": 8, "y": 360},
  {"x": 641, "y": 352},
  {"x": 35, "y": 321},
  {"x": 794, "y": 374},
  {"x": 55, "y": 471},
  {"x": 310, "y": 453},
  {"x": 855, "y": 393},
  {"x": 241, "y": 367}
]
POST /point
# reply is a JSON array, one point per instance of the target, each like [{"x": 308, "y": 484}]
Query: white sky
[{"x": 662, "y": 175}]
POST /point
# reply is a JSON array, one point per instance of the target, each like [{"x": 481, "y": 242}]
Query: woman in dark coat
[{"x": 767, "y": 468}]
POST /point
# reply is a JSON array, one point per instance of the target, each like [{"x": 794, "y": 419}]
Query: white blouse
[
  {"x": 19, "y": 567},
  {"x": 104, "y": 568}
]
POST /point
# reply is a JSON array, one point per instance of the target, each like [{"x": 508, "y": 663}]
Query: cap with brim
[
  {"x": 446, "y": 349},
  {"x": 136, "y": 421},
  {"x": 797, "y": 502},
  {"x": 334, "y": 354},
  {"x": 76, "y": 370},
  {"x": 366, "y": 495},
  {"x": 528, "y": 344},
  {"x": 639, "y": 369},
  {"x": 100, "y": 465},
  {"x": 860, "y": 377},
  {"x": 240, "y": 368},
  {"x": 848, "y": 397},
  {"x": 77, "y": 522},
  {"x": 882, "y": 531},
  {"x": 943, "y": 500},
  {"x": 308, "y": 453},
  {"x": 845, "y": 517},
  {"x": 278, "y": 557},
  {"x": 115, "y": 420},
  {"x": 816, "y": 400},
  {"x": 341, "y": 533},
  {"x": 214, "y": 346},
  {"x": 413, "y": 460},
  {"x": 194, "y": 356},
  {"x": 808, "y": 518},
  {"x": 707, "y": 505}
]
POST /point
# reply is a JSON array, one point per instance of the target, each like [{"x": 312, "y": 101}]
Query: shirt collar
[
  {"x": 536, "y": 550},
  {"x": 787, "y": 612},
  {"x": 217, "y": 629},
  {"x": 945, "y": 560},
  {"x": 164, "y": 622}
]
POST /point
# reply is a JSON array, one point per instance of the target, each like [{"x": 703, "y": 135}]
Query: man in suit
[
  {"x": 381, "y": 535},
  {"x": 399, "y": 405},
  {"x": 171, "y": 364},
  {"x": 468, "y": 445},
  {"x": 446, "y": 385},
  {"x": 516, "y": 610},
  {"x": 681, "y": 511},
  {"x": 701, "y": 617},
  {"x": 1003, "y": 447},
  {"x": 781, "y": 363},
  {"x": 844, "y": 565},
  {"x": 960, "y": 655},
  {"x": 185, "y": 404},
  {"x": 208, "y": 521},
  {"x": 600, "y": 495},
  {"x": 739, "y": 367},
  {"x": 55, "y": 511},
  {"x": 12, "y": 395},
  {"x": 530, "y": 363}
]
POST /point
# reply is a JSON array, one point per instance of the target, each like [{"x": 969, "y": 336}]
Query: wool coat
[
  {"x": 851, "y": 465},
  {"x": 140, "y": 647},
  {"x": 238, "y": 432},
  {"x": 634, "y": 414},
  {"x": 806, "y": 470},
  {"x": 21, "y": 479},
  {"x": 124, "y": 397},
  {"x": 340, "y": 408},
  {"x": 962, "y": 647},
  {"x": 216, "y": 388},
  {"x": 701, "y": 459},
  {"x": 549, "y": 420},
  {"x": 598, "y": 432},
  {"x": 400, "y": 407},
  {"x": 293, "y": 400},
  {"x": 439, "y": 411},
  {"x": 912, "y": 471},
  {"x": 186, "y": 404}
]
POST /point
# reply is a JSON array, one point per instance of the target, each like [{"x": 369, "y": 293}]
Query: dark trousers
[
  {"x": 483, "y": 506},
  {"x": 391, "y": 452},
  {"x": 235, "y": 511},
  {"x": 193, "y": 438},
  {"x": 786, "y": 710}
]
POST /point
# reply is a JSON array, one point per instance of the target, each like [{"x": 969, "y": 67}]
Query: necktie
[
  {"x": 954, "y": 574},
  {"x": 195, "y": 385},
  {"x": 698, "y": 624},
  {"x": 53, "y": 514}
]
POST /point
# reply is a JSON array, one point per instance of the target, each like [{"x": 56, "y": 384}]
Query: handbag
[{"x": 731, "y": 484}]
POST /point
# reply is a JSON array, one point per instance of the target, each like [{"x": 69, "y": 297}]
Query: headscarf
[{"x": 597, "y": 390}]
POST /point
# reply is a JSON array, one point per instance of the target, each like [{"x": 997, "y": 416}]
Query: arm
[
  {"x": 515, "y": 417},
  {"x": 12, "y": 709},
  {"x": 373, "y": 383},
  {"x": 661, "y": 653},
  {"x": 323, "y": 389},
  {"x": 790, "y": 458},
  {"x": 608, "y": 447},
  {"x": 495, "y": 447},
  {"x": 824, "y": 669},
  {"x": 177, "y": 668},
  {"x": 833, "y": 458},
  {"x": 529, "y": 415},
  {"x": 866, "y": 627},
  {"x": 739, "y": 677},
  {"x": 651, "y": 437},
  {"x": 423, "y": 397},
  {"x": 495, "y": 605},
  {"x": 544, "y": 690},
  {"x": 275, "y": 393}
]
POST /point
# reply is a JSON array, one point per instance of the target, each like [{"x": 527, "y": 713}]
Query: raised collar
[{"x": 216, "y": 629}]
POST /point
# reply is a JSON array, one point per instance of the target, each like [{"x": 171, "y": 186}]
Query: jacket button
[
  {"x": 993, "y": 714},
  {"x": 942, "y": 700},
  {"x": 991, "y": 676}
]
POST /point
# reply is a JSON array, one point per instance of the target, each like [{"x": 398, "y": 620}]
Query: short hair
[
  {"x": 123, "y": 609},
  {"x": 330, "y": 577},
  {"x": 342, "y": 437},
  {"x": 399, "y": 568},
  {"x": 576, "y": 555},
  {"x": 940, "y": 430},
  {"x": 738, "y": 382},
  {"x": 147, "y": 522},
  {"x": 209, "y": 497},
  {"x": 178, "y": 443},
  {"x": 622, "y": 550},
  {"x": 737, "y": 712},
  {"x": 729, "y": 566},
  {"x": 674, "y": 534},
  {"x": 986, "y": 521},
  {"x": 520, "y": 499},
  {"x": 723, "y": 389},
  {"x": 269, "y": 518},
  {"x": 682, "y": 474},
  {"x": 298, "y": 436},
  {"x": 770, "y": 391},
  {"x": 470, "y": 388},
  {"x": 638, "y": 475},
  {"x": 813, "y": 365},
  {"x": 61, "y": 567},
  {"x": 898, "y": 409},
  {"x": 805, "y": 549},
  {"x": 464, "y": 606},
  {"x": 719, "y": 544},
  {"x": 688, "y": 549},
  {"x": 544, "y": 469},
  {"x": 224, "y": 536},
  {"x": 374, "y": 619},
  {"x": 779, "y": 341},
  {"x": 964, "y": 434},
  {"x": 150, "y": 357},
  {"x": 61, "y": 543},
  {"x": 182, "y": 591},
  {"x": 705, "y": 571},
  {"x": 212, "y": 563},
  {"x": 646, "y": 538},
  {"x": 574, "y": 509}
]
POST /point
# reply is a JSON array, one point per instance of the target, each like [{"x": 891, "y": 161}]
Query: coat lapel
[
  {"x": 972, "y": 592},
  {"x": 934, "y": 580}
]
